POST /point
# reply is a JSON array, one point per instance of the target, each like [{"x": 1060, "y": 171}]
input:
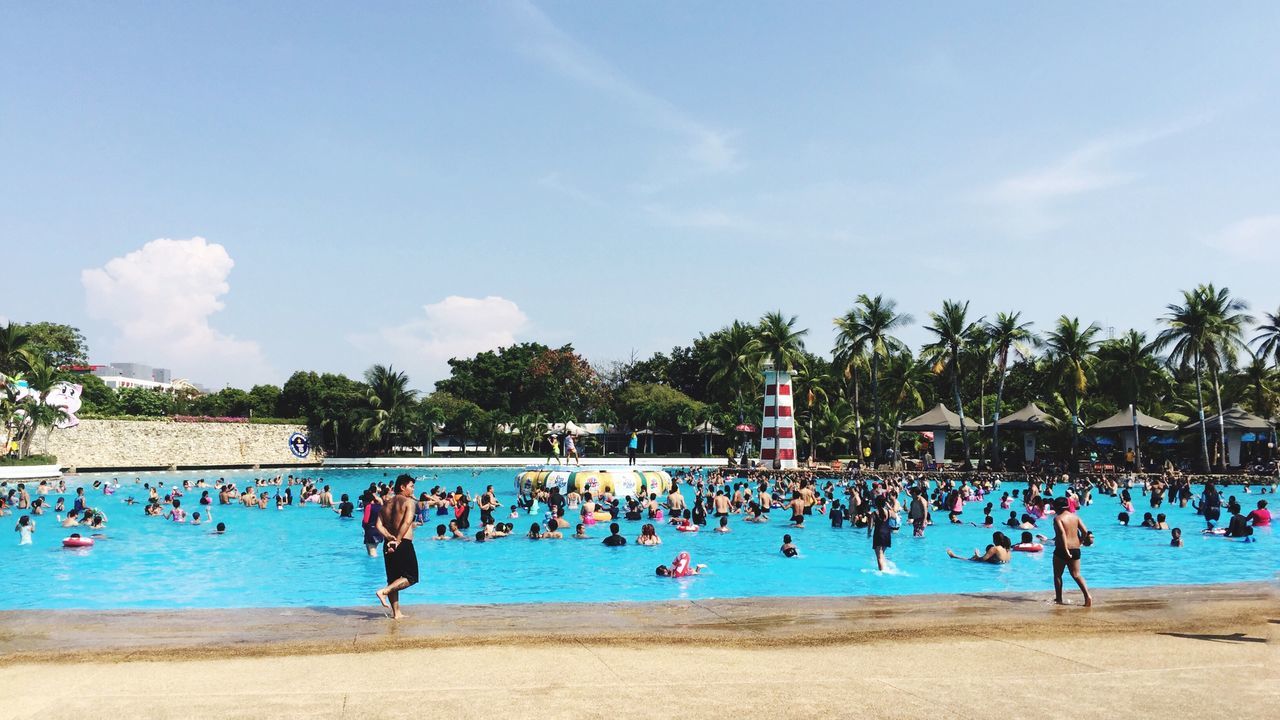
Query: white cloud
[
  {"x": 555, "y": 183},
  {"x": 454, "y": 327},
  {"x": 160, "y": 299},
  {"x": 703, "y": 219},
  {"x": 709, "y": 149},
  {"x": 1253, "y": 238},
  {"x": 1030, "y": 202}
]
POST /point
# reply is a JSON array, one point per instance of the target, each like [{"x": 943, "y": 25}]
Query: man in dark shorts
[
  {"x": 395, "y": 524},
  {"x": 1069, "y": 533}
]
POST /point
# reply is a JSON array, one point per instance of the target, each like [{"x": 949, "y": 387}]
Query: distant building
[{"x": 126, "y": 374}]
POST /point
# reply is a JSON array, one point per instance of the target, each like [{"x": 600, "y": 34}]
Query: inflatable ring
[
  {"x": 77, "y": 542},
  {"x": 1028, "y": 547}
]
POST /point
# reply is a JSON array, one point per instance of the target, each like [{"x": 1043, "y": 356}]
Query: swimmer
[
  {"x": 724, "y": 525},
  {"x": 997, "y": 552},
  {"x": 1176, "y": 540},
  {"x": 648, "y": 535},
  {"x": 680, "y": 567},
  {"x": 788, "y": 549},
  {"x": 441, "y": 533},
  {"x": 581, "y": 533}
]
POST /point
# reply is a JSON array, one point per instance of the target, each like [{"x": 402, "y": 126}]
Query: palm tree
[
  {"x": 1004, "y": 334},
  {"x": 1258, "y": 383},
  {"x": 868, "y": 325},
  {"x": 778, "y": 342},
  {"x": 1072, "y": 356},
  {"x": 906, "y": 380},
  {"x": 850, "y": 360},
  {"x": 385, "y": 403},
  {"x": 732, "y": 364},
  {"x": 1226, "y": 340},
  {"x": 953, "y": 334},
  {"x": 1132, "y": 361},
  {"x": 1268, "y": 337},
  {"x": 15, "y": 342},
  {"x": 1204, "y": 330},
  {"x": 1186, "y": 337},
  {"x": 811, "y": 385}
]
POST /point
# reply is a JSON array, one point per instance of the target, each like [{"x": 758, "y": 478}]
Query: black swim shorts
[
  {"x": 1072, "y": 554},
  {"x": 401, "y": 562}
]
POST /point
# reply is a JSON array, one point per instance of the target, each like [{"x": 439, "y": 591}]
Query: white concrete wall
[{"x": 160, "y": 443}]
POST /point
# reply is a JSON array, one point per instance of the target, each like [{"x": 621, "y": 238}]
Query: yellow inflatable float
[{"x": 619, "y": 482}]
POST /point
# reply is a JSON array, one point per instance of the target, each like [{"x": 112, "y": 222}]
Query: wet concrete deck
[
  {"x": 755, "y": 622},
  {"x": 1156, "y": 652}
]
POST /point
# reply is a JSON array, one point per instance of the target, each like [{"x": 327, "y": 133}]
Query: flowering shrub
[{"x": 206, "y": 418}]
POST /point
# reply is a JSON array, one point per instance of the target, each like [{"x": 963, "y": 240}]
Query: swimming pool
[{"x": 305, "y": 556}]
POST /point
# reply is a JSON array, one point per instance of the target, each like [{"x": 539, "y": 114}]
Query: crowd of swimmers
[{"x": 883, "y": 505}]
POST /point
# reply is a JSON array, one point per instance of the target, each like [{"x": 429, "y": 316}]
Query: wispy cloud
[
  {"x": 454, "y": 327},
  {"x": 708, "y": 218},
  {"x": 1253, "y": 238},
  {"x": 1030, "y": 201},
  {"x": 709, "y": 149},
  {"x": 555, "y": 183}
]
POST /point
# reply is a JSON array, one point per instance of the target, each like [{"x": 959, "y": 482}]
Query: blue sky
[{"x": 401, "y": 183}]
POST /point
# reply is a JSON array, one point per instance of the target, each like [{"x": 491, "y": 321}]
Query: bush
[
  {"x": 277, "y": 421},
  {"x": 29, "y": 460}
]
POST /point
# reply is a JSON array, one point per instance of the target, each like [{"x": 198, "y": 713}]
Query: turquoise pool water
[{"x": 305, "y": 555}]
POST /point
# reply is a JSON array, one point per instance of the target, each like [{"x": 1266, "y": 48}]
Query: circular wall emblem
[{"x": 299, "y": 445}]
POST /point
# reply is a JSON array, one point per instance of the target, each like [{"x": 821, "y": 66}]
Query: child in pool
[
  {"x": 788, "y": 549},
  {"x": 1177, "y": 538}
]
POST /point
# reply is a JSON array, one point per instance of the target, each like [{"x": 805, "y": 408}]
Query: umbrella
[
  {"x": 1234, "y": 418},
  {"x": 939, "y": 418},
  {"x": 706, "y": 428},
  {"x": 1030, "y": 417},
  {"x": 743, "y": 427},
  {"x": 1123, "y": 420}
]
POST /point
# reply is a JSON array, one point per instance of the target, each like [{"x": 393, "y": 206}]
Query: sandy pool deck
[{"x": 1173, "y": 651}]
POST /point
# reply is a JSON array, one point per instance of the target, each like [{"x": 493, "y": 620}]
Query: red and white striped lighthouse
[{"x": 778, "y": 431}]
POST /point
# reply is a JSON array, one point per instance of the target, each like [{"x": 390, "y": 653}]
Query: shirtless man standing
[
  {"x": 1068, "y": 534},
  {"x": 395, "y": 524}
]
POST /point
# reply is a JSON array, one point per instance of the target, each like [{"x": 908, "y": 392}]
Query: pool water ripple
[{"x": 306, "y": 556}]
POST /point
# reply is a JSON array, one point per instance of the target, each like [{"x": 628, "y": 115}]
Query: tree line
[{"x": 850, "y": 401}]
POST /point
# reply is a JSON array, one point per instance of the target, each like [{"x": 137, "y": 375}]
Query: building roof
[
  {"x": 939, "y": 418},
  {"x": 1123, "y": 420},
  {"x": 1030, "y": 417}
]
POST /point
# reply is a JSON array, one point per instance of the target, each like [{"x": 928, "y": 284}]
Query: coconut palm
[
  {"x": 1268, "y": 337},
  {"x": 777, "y": 341},
  {"x": 731, "y": 363},
  {"x": 1185, "y": 338},
  {"x": 869, "y": 325},
  {"x": 811, "y": 386},
  {"x": 1131, "y": 360},
  {"x": 385, "y": 403},
  {"x": 1226, "y": 341},
  {"x": 15, "y": 345},
  {"x": 906, "y": 380},
  {"x": 1006, "y": 334},
  {"x": 1072, "y": 356},
  {"x": 953, "y": 334},
  {"x": 1259, "y": 384},
  {"x": 1204, "y": 329},
  {"x": 850, "y": 362}
]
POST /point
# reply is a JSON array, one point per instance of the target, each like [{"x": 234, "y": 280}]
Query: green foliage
[
  {"x": 143, "y": 401},
  {"x": 95, "y": 396},
  {"x": 29, "y": 460},
  {"x": 528, "y": 377},
  {"x": 228, "y": 402},
  {"x": 649, "y": 405},
  {"x": 57, "y": 345},
  {"x": 264, "y": 400}
]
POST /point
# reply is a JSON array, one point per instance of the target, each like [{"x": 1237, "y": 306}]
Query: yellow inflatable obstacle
[{"x": 619, "y": 482}]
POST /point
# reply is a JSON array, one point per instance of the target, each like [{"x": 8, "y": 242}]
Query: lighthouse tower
[{"x": 778, "y": 431}]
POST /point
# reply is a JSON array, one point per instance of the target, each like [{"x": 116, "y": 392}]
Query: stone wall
[{"x": 160, "y": 444}]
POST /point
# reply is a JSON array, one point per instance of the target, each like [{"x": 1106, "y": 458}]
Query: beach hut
[
  {"x": 1123, "y": 423},
  {"x": 1237, "y": 423},
  {"x": 1029, "y": 420},
  {"x": 706, "y": 430},
  {"x": 937, "y": 421}
]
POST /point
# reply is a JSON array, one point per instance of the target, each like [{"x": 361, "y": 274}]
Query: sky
[{"x": 240, "y": 190}]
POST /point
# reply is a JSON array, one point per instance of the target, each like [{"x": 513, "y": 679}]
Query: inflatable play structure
[{"x": 619, "y": 482}]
